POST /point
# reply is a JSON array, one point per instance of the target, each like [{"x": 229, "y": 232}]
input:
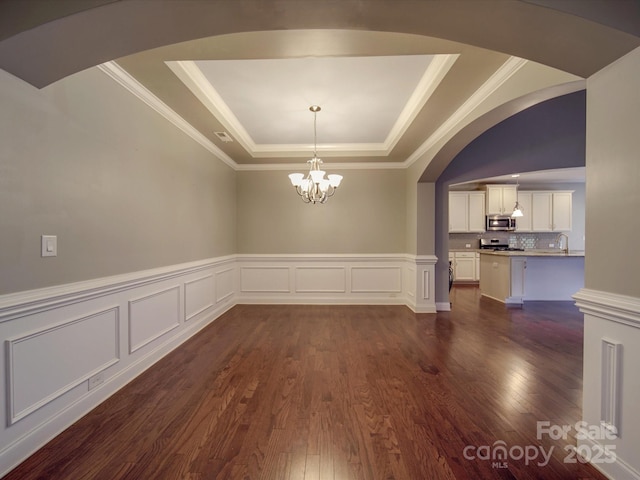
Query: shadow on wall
[{"x": 549, "y": 135}]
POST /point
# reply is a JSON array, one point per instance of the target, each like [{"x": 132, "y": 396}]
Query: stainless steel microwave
[{"x": 500, "y": 223}]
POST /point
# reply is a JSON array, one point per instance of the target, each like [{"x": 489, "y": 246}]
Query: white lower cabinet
[{"x": 464, "y": 266}]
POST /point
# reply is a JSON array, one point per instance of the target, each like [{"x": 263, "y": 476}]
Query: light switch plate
[{"x": 49, "y": 246}]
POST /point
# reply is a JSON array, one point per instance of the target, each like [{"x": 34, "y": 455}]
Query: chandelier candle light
[{"x": 314, "y": 188}]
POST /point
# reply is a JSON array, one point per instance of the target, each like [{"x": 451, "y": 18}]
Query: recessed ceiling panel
[{"x": 361, "y": 97}]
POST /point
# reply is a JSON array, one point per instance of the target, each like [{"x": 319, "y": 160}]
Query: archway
[{"x": 546, "y": 135}]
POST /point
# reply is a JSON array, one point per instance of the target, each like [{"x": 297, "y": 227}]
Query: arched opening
[{"x": 547, "y": 135}]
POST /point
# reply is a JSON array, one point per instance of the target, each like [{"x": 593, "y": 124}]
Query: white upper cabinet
[
  {"x": 523, "y": 223},
  {"x": 476, "y": 212},
  {"x": 458, "y": 212},
  {"x": 466, "y": 212},
  {"x": 561, "y": 211},
  {"x": 541, "y": 208},
  {"x": 501, "y": 199},
  {"x": 551, "y": 211}
]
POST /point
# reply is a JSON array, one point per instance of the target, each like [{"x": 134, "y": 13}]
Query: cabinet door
[
  {"x": 562, "y": 211},
  {"x": 494, "y": 200},
  {"x": 509, "y": 196},
  {"x": 458, "y": 212},
  {"x": 523, "y": 223},
  {"x": 541, "y": 211},
  {"x": 477, "y": 267},
  {"x": 465, "y": 268},
  {"x": 476, "y": 212}
]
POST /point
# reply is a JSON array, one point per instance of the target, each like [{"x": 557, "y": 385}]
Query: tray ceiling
[{"x": 381, "y": 94}]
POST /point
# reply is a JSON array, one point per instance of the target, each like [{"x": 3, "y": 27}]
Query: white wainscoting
[
  {"x": 60, "y": 357},
  {"x": 611, "y": 386},
  {"x": 152, "y": 316},
  {"x": 68, "y": 348},
  {"x": 337, "y": 279},
  {"x": 199, "y": 295},
  {"x": 320, "y": 279}
]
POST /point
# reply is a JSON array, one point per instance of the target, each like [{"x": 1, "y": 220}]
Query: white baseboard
[
  {"x": 443, "y": 306},
  {"x": 613, "y": 468}
]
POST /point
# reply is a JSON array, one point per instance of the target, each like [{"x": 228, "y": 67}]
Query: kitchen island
[{"x": 513, "y": 277}]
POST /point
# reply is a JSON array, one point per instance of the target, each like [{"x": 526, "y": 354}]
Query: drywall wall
[
  {"x": 123, "y": 189},
  {"x": 613, "y": 170},
  {"x": 546, "y": 136},
  {"x": 366, "y": 215}
]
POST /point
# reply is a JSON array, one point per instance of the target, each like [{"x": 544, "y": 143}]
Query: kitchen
[{"x": 536, "y": 256}]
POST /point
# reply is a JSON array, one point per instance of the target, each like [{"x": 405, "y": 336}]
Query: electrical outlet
[
  {"x": 468, "y": 245},
  {"x": 552, "y": 245},
  {"x": 97, "y": 379}
]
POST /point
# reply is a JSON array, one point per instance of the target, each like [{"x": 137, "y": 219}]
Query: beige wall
[
  {"x": 122, "y": 188},
  {"x": 611, "y": 299},
  {"x": 366, "y": 215},
  {"x": 613, "y": 170}
]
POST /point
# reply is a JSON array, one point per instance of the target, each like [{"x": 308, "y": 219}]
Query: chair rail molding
[{"x": 114, "y": 328}]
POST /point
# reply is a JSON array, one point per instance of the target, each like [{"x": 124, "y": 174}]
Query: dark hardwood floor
[{"x": 342, "y": 392}]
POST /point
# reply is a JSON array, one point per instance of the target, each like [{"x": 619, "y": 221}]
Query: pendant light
[{"x": 517, "y": 209}]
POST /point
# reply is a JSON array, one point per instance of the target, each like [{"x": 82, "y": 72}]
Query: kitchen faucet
[{"x": 566, "y": 244}]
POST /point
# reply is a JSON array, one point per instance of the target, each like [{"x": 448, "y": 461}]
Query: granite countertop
[{"x": 535, "y": 253}]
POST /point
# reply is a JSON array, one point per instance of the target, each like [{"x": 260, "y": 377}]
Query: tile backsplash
[{"x": 459, "y": 241}]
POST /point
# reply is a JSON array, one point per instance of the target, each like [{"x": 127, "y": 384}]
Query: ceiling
[
  {"x": 242, "y": 75},
  {"x": 381, "y": 94}
]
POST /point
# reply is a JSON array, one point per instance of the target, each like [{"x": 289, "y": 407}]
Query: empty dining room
[{"x": 224, "y": 239}]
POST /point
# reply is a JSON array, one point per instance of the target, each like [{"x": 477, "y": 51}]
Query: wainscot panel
[
  {"x": 198, "y": 296},
  {"x": 68, "y": 348},
  {"x": 224, "y": 286},
  {"x": 264, "y": 279},
  {"x": 47, "y": 363},
  {"x": 320, "y": 280},
  {"x": 152, "y": 316},
  {"x": 376, "y": 279}
]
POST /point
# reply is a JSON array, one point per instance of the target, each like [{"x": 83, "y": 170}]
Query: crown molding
[
  {"x": 249, "y": 167},
  {"x": 122, "y": 77},
  {"x": 433, "y": 76},
  {"x": 193, "y": 78},
  {"x": 504, "y": 73}
]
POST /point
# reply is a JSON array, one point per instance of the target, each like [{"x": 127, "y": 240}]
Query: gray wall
[
  {"x": 122, "y": 188},
  {"x": 366, "y": 215}
]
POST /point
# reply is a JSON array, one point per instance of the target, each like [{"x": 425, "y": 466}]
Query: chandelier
[{"x": 314, "y": 188}]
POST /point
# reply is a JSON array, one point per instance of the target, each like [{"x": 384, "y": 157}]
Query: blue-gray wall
[{"x": 549, "y": 135}]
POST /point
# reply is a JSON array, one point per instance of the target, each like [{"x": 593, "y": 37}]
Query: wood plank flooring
[{"x": 341, "y": 392}]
